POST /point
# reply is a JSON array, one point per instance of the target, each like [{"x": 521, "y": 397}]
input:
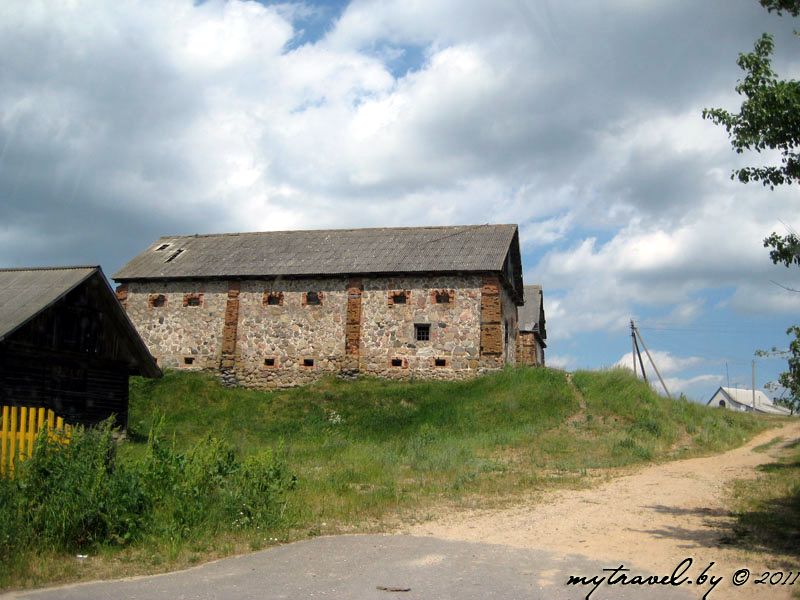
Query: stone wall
[
  {"x": 179, "y": 336},
  {"x": 389, "y": 346},
  {"x": 291, "y": 335},
  {"x": 286, "y": 332},
  {"x": 510, "y": 327}
]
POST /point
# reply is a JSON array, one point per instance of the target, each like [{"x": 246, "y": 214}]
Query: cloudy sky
[{"x": 580, "y": 121}]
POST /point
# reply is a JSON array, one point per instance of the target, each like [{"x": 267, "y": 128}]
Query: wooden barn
[{"x": 67, "y": 344}]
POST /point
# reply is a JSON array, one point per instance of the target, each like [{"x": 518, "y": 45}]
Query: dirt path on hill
[{"x": 650, "y": 521}]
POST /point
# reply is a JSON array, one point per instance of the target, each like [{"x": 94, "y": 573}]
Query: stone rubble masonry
[
  {"x": 510, "y": 328},
  {"x": 356, "y": 328},
  {"x": 526, "y": 349},
  {"x": 173, "y": 332}
]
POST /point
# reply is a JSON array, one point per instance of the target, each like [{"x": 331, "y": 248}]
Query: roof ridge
[
  {"x": 233, "y": 234},
  {"x": 56, "y": 268}
]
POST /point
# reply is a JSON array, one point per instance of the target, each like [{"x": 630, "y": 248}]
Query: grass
[
  {"x": 368, "y": 453},
  {"x": 766, "y": 509}
]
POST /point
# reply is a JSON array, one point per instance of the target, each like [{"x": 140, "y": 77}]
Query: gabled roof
[
  {"x": 329, "y": 252},
  {"x": 744, "y": 398},
  {"x": 531, "y": 315},
  {"x": 25, "y": 293}
]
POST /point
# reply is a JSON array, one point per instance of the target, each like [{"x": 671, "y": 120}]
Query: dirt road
[{"x": 653, "y": 519}]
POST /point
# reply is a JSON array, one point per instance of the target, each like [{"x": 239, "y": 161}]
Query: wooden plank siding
[{"x": 71, "y": 358}]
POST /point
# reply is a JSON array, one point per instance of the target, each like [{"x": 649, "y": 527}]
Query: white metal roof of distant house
[{"x": 744, "y": 397}]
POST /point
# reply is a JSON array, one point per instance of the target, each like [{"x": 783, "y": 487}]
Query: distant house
[
  {"x": 282, "y": 308},
  {"x": 67, "y": 344},
  {"x": 742, "y": 400},
  {"x": 532, "y": 332}
]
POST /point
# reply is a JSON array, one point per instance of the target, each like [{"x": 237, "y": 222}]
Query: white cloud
[
  {"x": 666, "y": 362},
  {"x": 561, "y": 361},
  {"x": 120, "y": 122}
]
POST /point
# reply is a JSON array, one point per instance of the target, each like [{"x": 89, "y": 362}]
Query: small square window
[
  {"x": 398, "y": 297},
  {"x": 193, "y": 300},
  {"x": 443, "y": 297},
  {"x": 157, "y": 300},
  {"x": 273, "y": 298},
  {"x": 188, "y": 360},
  {"x": 313, "y": 298},
  {"x": 440, "y": 362},
  {"x": 397, "y": 362},
  {"x": 269, "y": 362},
  {"x": 308, "y": 362},
  {"x": 422, "y": 332}
]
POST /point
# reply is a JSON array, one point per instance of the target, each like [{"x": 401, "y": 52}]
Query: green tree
[
  {"x": 769, "y": 119},
  {"x": 788, "y": 380}
]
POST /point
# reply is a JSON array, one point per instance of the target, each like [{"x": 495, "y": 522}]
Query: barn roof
[
  {"x": 329, "y": 252},
  {"x": 744, "y": 398},
  {"x": 26, "y": 292},
  {"x": 531, "y": 315}
]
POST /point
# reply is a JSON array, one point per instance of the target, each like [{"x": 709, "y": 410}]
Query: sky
[{"x": 581, "y": 122}]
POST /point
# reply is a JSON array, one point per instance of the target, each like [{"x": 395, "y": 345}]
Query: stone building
[
  {"x": 532, "y": 331},
  {"x": 282, "y": 308}
]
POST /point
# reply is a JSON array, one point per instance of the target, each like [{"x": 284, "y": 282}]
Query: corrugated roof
[
  {"x": 26, "y": 292},
  {"x": 530, "y": 313},
  {"x": 324, "y": 252},
  {"x": 744, "y": 397},
  {"x": 763, "y": 402}
]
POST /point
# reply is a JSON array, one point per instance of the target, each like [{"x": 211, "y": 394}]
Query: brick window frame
[
  {"x": 193, "y": 299},
  {"x": 272, "y": 299},
  {"x": 157, "y": 300},
  {"x": 443, "y": 297},
  {"x": 319, "y": 296},
  {"x": 394, "y": 294}
]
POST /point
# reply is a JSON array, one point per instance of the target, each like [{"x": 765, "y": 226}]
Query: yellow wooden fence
[{"x": 18, "y": 430}]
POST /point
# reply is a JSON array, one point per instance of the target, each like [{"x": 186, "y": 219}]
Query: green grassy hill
[
  {"x": 208, "y": 471},
  {"x": 363, "y": 448}
]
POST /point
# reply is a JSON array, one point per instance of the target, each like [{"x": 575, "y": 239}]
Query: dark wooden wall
[{"x": 69, "y": 358}]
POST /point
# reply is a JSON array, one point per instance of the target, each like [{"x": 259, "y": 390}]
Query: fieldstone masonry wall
[
  {"x": 526, "y": 349},
  {"x": 389, "y": 347},
  {"x": 180, "y": 336},
  {"x": 366, "y": 325}
]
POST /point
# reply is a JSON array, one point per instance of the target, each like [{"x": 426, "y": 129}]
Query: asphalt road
[{"x": 375, "y": 567}]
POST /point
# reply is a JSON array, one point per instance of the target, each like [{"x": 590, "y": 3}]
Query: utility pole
[
  {"x": 636, "y": 352},
  {"x": 727, "y": 374},
  {"x": 753, "y": 362},
  {"x": 652, "y": 362}
]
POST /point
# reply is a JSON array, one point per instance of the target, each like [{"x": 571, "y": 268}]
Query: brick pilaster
[
  {"x": 228, "y": 354},
  {"x": 355, "y": 288},
  {"x": 122, "y": 295},
  {"x": 491, "y": 317}
]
